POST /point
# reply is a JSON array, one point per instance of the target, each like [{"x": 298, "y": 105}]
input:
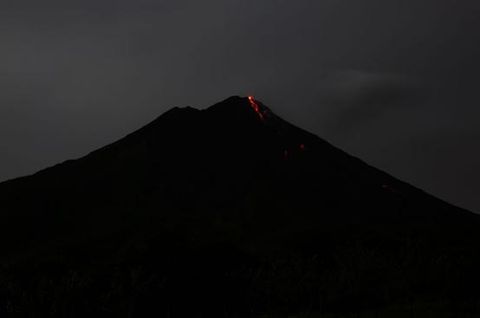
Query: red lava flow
[{"x": 255, "y": 106}]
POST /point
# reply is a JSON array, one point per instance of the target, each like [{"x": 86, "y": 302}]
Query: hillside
[{"x": 229, "y": 211}]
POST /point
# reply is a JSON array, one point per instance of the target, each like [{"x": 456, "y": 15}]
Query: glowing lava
[{"x": 255, "y": 106}]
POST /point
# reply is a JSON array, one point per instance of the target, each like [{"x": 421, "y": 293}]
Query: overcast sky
[{"x": 394, "y": 82}]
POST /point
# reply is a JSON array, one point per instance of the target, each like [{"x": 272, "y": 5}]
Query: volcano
[{"x": 230, "y": 212}]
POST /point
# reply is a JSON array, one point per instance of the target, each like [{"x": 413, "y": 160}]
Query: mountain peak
[
  {"x": 235, "y": 198},
  {"x": 242, "y": 105}
]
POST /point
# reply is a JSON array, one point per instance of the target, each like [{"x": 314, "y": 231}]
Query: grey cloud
[{"x": 358, "y": 97}]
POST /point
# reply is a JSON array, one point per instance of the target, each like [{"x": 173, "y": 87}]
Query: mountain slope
[{"x": 225, "y": 196}]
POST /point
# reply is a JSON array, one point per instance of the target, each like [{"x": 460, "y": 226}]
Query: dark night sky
[{"x": 393, "y": 82}]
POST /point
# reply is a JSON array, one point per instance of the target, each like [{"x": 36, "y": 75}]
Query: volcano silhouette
[{"x": 231, "y": 212}]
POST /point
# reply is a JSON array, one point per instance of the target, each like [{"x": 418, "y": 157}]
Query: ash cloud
[{"x": 357, "y": 98}]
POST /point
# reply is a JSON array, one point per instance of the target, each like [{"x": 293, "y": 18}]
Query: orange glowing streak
[{"x": 255, "y": 106}]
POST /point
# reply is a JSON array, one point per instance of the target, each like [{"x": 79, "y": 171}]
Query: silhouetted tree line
[{"x": 356, "y": 277}]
